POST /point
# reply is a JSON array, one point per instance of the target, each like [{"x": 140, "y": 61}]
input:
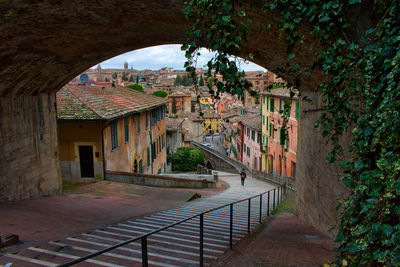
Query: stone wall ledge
[{"x": 167, "y": 181}]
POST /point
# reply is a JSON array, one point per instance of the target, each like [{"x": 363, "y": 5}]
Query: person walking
[{"x": 243, "y": 176}]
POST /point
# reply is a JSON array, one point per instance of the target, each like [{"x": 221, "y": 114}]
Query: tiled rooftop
[
  {"x": 77, "y": 101},
  {"x": 173, "y": 123},
  {"x": 253, "y": 122}
]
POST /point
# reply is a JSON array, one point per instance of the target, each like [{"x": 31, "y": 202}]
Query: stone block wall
[
  {"x": 29, "y": 155},
  {"x": 318, "y": 185}
]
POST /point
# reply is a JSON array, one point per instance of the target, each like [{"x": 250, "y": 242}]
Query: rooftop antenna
[{"x": 84, "y": 78}]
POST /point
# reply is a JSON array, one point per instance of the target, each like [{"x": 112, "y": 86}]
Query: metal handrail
[{"x": 143, "y": 237}]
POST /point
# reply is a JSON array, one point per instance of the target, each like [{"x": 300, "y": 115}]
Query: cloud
[{"x": 157, "y": 57}]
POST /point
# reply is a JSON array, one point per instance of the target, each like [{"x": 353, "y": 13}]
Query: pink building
[
  {"x": 279, "y": 146},
  {"x": 252, "y": 133}
]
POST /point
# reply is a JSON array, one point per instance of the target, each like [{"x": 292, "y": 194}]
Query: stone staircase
[{"x": 175, "y": 246}]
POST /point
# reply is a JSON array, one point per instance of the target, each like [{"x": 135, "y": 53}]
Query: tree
[
  {"x": 160, "y": 94},
  {"x": 124, "y": 78},
  {"x": 201, "y": 81},
  {"x": 173, "y": 105},
  {"x": 178, "y": 80},
  {"x": 136, "y": 87},
  {"x": 130, "y": 78},
  {"x": 360, "y": 93},
  {"x": 187, "y": 159}
]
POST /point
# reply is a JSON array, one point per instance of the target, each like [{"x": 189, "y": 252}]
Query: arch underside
[{"x": 45, "y": 44}]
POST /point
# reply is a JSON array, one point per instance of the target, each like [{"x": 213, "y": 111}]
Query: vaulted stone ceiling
[{"x": 44, "y": 44}]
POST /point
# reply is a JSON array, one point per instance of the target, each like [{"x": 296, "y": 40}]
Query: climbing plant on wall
[{"x": 360, "y": 92}]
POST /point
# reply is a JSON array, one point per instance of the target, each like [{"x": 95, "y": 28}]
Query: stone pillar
[
  {"x": 318, "y": 185},
  {"x": 29, "y": 154}
]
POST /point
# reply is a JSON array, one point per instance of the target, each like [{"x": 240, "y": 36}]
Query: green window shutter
[
  {"x": 140, "y": 166},
  {"x": 138, "y": 123},
  {"x": 297, "y": 110},
  {"x": 263, "y": 120},
  {"x": 263, "y": 99},
  {"x": 267, "y": 122},
  {"x": 148, "y": 156},
  {"x": 126, "y": 124},
  {"x": 272, "y": 107},
  {"x": 283, "y": 136},
  {"x": 280, "y": 106},
  {"x": 267, "y": 103}
]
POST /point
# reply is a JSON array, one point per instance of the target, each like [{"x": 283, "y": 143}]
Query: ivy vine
[{"x": 360, "y": 92}]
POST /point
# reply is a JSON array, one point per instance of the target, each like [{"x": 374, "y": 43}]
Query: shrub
[
  {"x": 136, "y": 87},
  {"x": 160, "y": 94},
  {"x": 187, "y": 159}
]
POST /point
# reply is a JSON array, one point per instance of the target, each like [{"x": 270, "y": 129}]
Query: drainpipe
[
  {"x": 151, "y": 148},
  {"x": 102, "y": 150}
]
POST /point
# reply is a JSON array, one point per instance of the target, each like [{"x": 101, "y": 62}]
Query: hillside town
[{"x": 131, "y": 121}]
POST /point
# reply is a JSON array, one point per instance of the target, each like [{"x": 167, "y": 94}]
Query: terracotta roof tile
[
  {"x": 253, "y": 122},
  {"x": 108, "y": 102},
  {"x": 70, "y": 107}
]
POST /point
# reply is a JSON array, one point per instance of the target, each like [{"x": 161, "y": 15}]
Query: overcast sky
[{"x": 157, "y": 57}]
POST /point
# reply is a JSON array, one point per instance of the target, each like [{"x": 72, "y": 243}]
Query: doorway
[{"x": 86, "y": 161}]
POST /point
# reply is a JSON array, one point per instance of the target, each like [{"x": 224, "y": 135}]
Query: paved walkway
[
  {"x": 285, "y": 240},
  {"x": 176, "y": 246}
]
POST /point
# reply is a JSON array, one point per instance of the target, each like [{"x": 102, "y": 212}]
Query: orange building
[
  {"x": 279, "y": 146},
  {"x": 183, "y": 101},
  {"x": 110, "y": 129}
]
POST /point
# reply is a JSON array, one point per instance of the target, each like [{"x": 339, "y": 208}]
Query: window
[
  {"x": 287, "y": 105},
  {"x": 238, "y": 147},
  {"x": 154, "y": 116},
  {"x": 147, "y": 119},
  {"x": 280, "y": 106},
  {"x": 248, "y": 151},
  {"x": 153, "y": 151},
  {"x": 138, "y": 123},
  {"x": 157, "y": 145},
  {"x": 267, "y": 122},
  {"x": 140, "y": 166},
  {"x": 271, "y": 130},
  {"x": 244, "y": 150},
  {"x": 238, "y": 131},
  {"x": 263, "y": 120},
  {"x": 263, "y": 99},
  {"x": 253, "y": 135},
  {"x": 297, "y": 110},
  {"x": 126, "y": 126},
  {"x": 114, "y": 135},
  {"x": 259, "y": 138},
  {"x": 272, "y": 105},
  {"x": 148, "y": 155},
  {"x": 267, "y": 103},
  {"x": 248, "y": 132}
]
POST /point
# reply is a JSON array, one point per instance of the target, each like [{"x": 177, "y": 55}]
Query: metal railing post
[
  {"x": 273, "y": 203},
  {"x": 231, "y": 227},
  {"x": 260, "y": 207},
  {"x": 201, "y": 239},
  {"x": 248, "y": 217},
  {"x": 145, "y": 262},
  {"x": 268, "y": 203}
]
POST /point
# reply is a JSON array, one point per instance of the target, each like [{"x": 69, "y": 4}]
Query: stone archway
[
  {"x": 44, "y": 44},
  {"x": 209, "y": 165}
]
